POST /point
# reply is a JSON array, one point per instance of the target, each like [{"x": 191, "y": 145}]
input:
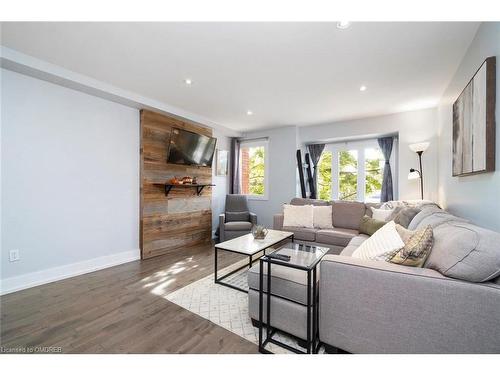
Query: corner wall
[
  {"x": 70, "y": 182},
  {"x": 473, "y": 197}
]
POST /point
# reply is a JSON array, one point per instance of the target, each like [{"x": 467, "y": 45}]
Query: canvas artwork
[
  {"x": 474, "y": 123},
  {"x": 222, "y": 162}
]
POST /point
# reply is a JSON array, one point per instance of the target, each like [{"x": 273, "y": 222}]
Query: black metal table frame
[
  {"x": 218, "y": 280},
  {"x": 312, "y": 341}
]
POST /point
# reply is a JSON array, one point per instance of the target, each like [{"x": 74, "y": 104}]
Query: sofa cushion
[
  {"x": 322, "y": 217},
  {"x": 237, "y": 216},
  {"x": 405, "y": 216},
  {"x": 238, "y": 225},
  {"x": 359, "y": 239},
  {"x": 347, "y": 214},
  {"x": 369, "y": 226},
  {"x": 298, "y": 216},
  {"x": 385, "y": 241},
  {"x": 335, "y": 236},
  {"x": 286, "y": 282},
  {"x": 306, "y": 201},
  {"x": 382, "y": 214},
  {"x": 348, "y": 250},
  {"x": 432, "y": 216},
  {"x": 304, "y": 234},
  {"x": 465, "y": 251}
]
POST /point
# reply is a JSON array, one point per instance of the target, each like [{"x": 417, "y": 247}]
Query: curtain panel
[{"x": 385, "y": 145}]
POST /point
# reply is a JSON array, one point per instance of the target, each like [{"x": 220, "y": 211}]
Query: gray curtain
[
  {"x": 315, "y": 154},
  {"x": 234, "y": 163},
  {"x": 387, "y": 190}
]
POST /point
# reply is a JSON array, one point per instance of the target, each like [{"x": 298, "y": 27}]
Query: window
[
  {"x": 325, "y": 176},
  {"x": 348, "y": 175},
  {"x": 254, "y": 169},
  {"x": 374, "y": 173},
  {"x": 353, "y": 171}
]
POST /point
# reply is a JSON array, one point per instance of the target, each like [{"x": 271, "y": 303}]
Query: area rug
[{"x": 225, "y": 306}]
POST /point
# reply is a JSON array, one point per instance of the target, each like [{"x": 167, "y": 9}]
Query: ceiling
[{"x": 285, "y": 73}]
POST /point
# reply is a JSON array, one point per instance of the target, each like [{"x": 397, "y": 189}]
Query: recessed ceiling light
[
  {"x": 343, "y": 25},
  {"x": 188, "y": 81},
  {"x": 362, "y": 88},
  {"x": 249, "y": 113}
]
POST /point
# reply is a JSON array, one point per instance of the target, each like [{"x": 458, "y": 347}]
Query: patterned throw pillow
[{"x": 417, "y": 247}]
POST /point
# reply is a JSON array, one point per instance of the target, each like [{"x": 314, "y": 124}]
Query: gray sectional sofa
[
  {"x": 451, "y": 305},
  {"x": 346, "y": 218}
]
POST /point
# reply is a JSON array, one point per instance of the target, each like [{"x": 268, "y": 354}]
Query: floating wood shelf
[{"x": 199, "y": 187}]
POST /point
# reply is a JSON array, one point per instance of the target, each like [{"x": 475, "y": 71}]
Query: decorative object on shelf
[
  {"x": 174, "y": 181},
  {"x": 414, "y": 174},
  {"x": 222, "y": 162},
  {"x": 474, "y": 123},
  {"x": 259, "y": 232},
  {"x": 187, "y": 180},
  {"x": 169, "y": 186}
]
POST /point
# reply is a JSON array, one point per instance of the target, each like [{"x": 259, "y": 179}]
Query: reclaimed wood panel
[{"x": 183, "y": 219}]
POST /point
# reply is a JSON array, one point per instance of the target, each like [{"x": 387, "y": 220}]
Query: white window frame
[
  {"x": 360, "y": 147},
  {"x": 258, "y": 143}
]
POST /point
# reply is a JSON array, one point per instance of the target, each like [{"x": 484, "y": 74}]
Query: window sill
[{"x": 257, "y": 198}]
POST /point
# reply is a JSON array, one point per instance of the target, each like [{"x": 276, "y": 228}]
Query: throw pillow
[
  {"x": 322, "y": 217},
  {"x": 383, "y": 242},
  {"x": 298, "y": 216},
  {"x": 237, "y": 216},
  {"x": 405, "y": 216},
  {"x": 380, "y": 214},
  {"x": 418, "y": 246},
  {"x": 369, "y": 225}
]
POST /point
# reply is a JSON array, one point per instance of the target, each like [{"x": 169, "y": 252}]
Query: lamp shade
[
  {"x": 413, "y": 175},
  {"x": 419, "y": 147}
]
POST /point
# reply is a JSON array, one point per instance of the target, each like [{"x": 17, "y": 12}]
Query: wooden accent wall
[{"x": 182, "y": 219}]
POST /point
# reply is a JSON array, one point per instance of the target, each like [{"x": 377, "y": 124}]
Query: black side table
[{"x": 304, "y": 258}]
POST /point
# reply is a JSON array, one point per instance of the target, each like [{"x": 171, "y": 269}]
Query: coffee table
[{"x": 248, "y": 246}]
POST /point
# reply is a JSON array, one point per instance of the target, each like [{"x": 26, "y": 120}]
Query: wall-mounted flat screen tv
[{"x": 191, "y": 148}]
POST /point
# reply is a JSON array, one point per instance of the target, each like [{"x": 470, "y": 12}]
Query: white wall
[
  {"x": 221, "y": 187},
  {"x": 474, "y": 197},
  {"x": 282, "y": 172},
  {"x": 70, "y": 180},
  {"x": 412, "y": 127}
]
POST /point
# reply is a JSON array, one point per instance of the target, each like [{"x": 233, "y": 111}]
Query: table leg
[
  {"x": 309, "y": 312},
  {"x": 215, "y": 262},
  {"x": 315, "y": 311},
  {"x": 261, "y": 285},
  {"x": 268, "y": 322}
]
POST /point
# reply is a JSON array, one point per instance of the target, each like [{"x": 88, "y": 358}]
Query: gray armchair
[{"x": 237, "y": 219}]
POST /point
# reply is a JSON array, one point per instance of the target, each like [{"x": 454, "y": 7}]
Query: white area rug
[{"x": 225, "y": 306}]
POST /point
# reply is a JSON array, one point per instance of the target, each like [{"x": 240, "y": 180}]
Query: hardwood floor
[{"x": 115, "y": 311}]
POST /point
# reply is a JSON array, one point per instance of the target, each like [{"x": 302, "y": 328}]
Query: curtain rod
[
  {"x": 253, "y": 139},
  {"x": 348, "y": 140}
]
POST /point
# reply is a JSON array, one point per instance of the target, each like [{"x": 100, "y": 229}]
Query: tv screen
[{"x": 191, "y": 148}]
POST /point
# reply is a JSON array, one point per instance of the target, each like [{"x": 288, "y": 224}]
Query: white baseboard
[{"x": 32, "y": 279}]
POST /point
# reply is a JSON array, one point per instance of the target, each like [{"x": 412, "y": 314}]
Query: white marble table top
[{"x": 248, "y": 245}]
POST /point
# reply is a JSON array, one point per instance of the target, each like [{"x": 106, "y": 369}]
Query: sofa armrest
[
  {"x": 379, "y": 307},
  {"x": 222, "y": 234},
  {"x": 253, "y": 218},
  {"x": 278, "y": 221}
]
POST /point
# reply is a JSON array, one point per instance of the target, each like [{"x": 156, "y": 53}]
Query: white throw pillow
[
  {"x": 380, "y": 214},
  {"x": 298, "y": 216},
  {"x": 384, "y": 241},
  {"x": 322, "y": 217}
]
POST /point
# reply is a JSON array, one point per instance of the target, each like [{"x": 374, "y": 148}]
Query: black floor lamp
[{"x": 419, "y": 148}]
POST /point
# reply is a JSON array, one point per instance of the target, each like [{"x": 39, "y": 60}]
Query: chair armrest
[
  {"x": 278, "y": 221},
  {"x": 380, "y": 307},
  {"x": 253, "y": 218},
  {"x": 222, "y": 234}
]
